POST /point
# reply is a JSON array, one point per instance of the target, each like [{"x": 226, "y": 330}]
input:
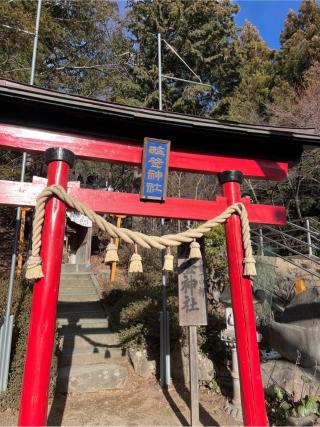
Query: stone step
[
  {"x": 75, "y": 280},
  {"x": 85, "y": 323},
  {"x": 78, "y": 297},
  {"x": 85, "y": 356},
  {"x": 101, "y": 376},
  {"x": 78, "y": 307},
  {"x": 93, "y": 341},
  {"x": 75, "y": 269},
  {"x": 77, "y": 287},
  {"x": 80, "y": 316},
  {"x": 79, "y": 329},
  {"x": 76, "y": 293}
]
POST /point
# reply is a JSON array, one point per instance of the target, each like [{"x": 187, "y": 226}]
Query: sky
[{"x": 267, "y": 15}]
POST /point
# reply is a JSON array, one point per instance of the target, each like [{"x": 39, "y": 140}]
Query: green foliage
[
  {"x": 215, "y": 257},
  {"x": 247, "y": 102},
  {"x": 81, "y": 45},
  {"x": 135, "y": 316},
  {"x": 21, "y": 306},
  {"x": 135, "y": 312},
  {"x": 203, "y": 32},
  {"x": 300, "y": 42},
  {"x": 280, "y": 405},
  {"x": 308, "y": 406},
  {"x": 212, "y": 384}
]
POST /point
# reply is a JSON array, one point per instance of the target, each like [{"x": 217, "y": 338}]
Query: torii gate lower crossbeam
[{"x": 40, "y": 343}]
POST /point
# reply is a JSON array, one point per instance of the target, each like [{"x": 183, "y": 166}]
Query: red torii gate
[{"x": 21, "y": 105}]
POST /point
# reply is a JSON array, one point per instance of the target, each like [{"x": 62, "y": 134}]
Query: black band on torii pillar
[
  {"x": 230, "y": 176},
  {"x": 59, "y": 153}
]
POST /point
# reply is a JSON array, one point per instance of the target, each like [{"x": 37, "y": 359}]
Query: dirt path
[{"x": 141, "y": 403}]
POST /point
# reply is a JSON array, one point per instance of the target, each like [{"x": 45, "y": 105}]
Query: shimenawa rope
[{"x": 34, "y": 264}]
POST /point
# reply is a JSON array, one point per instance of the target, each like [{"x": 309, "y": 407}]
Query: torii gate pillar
[
  {"x": 252, "y": 395},
  {"x": 36, "y": 378}
]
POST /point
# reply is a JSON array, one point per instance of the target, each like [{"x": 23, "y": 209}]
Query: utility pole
[
  {"x": 6, "y": 328},
  {"x": 165, "y": 368},
  {"x": 165, "y": 371}
]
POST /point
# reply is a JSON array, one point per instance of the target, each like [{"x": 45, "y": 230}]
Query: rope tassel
[
  {"x": 249, "y": 268},
  {"x": 111, "y": 253},
  {"x": 195, "y": 252},
  {"x": 168, "y": 261},
  {"x": 34, "y": 268},
  {"x": 135, "y": 262}
]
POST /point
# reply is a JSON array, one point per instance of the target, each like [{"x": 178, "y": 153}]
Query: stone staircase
[{"x": 90, "y": 358}]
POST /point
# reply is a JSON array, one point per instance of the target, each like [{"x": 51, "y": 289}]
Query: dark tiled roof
[{"x": 36, "y": 107}]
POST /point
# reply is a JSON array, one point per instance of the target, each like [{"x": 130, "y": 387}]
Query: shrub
[{"x": 21, "y": 306}]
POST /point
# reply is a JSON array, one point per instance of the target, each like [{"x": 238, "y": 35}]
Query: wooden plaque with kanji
[{"x": 192, "y": 292}]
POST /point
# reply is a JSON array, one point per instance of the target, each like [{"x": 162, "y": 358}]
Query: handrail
[
  {"x": 299, "y": 227},
  {"x": 288, "y": 248},
  {"x": 288, "y": 260},
  {"x": 290, "y": 237}
]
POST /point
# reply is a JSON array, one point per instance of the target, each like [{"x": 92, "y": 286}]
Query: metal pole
[
  {"x": 167, "y": 354},
  {"x": 159, "y": 72},
  {"x": 36, "y": 377},
  {"x": 261, "y": 242},
  {"x": 309, "y": 237},
  {"x": 164, "y": 328},
  {"x": 35, "y": 43},
  {"x": 252, "y": 395},
  {"x": 18, "y": 216},
  {"x": 162, "y": 352}
]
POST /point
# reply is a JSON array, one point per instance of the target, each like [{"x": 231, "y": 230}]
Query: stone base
[
  {"x": 92, "y": 378},
  {"x": 235, "y": 411}
]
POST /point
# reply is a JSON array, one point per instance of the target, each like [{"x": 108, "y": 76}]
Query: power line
[
  {"x": 185, "y": 80},
  {"x": 182, "y": 60}
]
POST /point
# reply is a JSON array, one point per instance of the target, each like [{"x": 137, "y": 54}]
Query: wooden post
[
  {"x": 192, "y": 313},
  {"x": 116, "y": 242},
  {"x": 21, "y": 240},
  {"x": 193, "y": 371}
]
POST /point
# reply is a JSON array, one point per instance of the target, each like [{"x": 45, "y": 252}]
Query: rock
[
  {"x": 141, "y": 365},
  {"x": 300, "y": 421},
  {"x": 304, "y": 309},
  {"x": 294, "y": 379},
  {"x": 298, "y": 331},
  {"x": 180, "y": 366},
  {"x": 296, "y": 342}
]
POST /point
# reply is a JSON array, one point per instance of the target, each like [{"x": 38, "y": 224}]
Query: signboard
[
  {"x": 155, "y": 169},
  {"x": 79, "y": 218},
  {"x": 192, "y": 292}
]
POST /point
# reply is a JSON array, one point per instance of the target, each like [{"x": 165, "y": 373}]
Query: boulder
[
  {"x": 295, "y": 380},
  {"x": 141, "y": 365},
  {"x": 180, "y": 366}
]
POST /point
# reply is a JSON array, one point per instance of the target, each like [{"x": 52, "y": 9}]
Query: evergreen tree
[
  {"x": 203, "y": 32},
  {"x": 81, "y": 46},
  {"x": 300, "y": 42},
  {"x": 247, "y": 102}
]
